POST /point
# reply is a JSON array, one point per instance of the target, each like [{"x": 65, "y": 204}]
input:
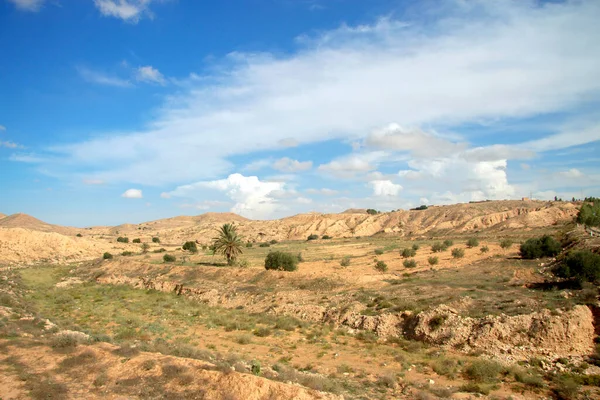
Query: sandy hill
[
  {"x": 25, "y": 221},
  {"x": 471, "y": 217}
]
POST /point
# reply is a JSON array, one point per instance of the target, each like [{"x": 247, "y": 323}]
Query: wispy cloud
[
  {"x": 132, "y": 194},
  {"x": 27, "y": 158},
  {"x": 28, "y": 5},
  {"x": 2, "y": 128},
  {"x": 149, "y": 74},
  {"x": 10, "y": 145},
  {"x": 101, "y": 78},
  {"x": 127, "y": 10}
]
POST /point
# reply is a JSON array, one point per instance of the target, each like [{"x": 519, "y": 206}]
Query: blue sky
[{"x": 116, "y": 111}]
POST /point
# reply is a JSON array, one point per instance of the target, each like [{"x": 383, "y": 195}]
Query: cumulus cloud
[
  {"x": 150, "y": 74},
  {"x": 474, "y": 63},
  {"x": 101, "y": 78},
  {"x": 351, "y": 165},
  {"x": 28, "y": 5},
  {"x": 132, "y": 194},
  {"x": 572, "y": 173},
  {"x": 127, "y": 10},
  {"x": 286, "y": 164},
  {"x": 385, "y": 188},
  {"x": 253, "y": 198},
  {"x": 288, "y": 142}
]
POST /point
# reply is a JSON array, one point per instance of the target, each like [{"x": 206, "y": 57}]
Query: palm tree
[{"x": 228, "y": 243}]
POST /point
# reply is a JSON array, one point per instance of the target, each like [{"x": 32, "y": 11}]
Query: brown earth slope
[{"x": 25, "y": 221}]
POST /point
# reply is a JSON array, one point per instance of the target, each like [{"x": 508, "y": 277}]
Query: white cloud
[
  {"x": 385, "y": 188},
  {"x": 257, "y": 165},
  {"x": 127, "y": 10},
  {"x": 323, "y": 191},
  {"x": 28, "y": 5},
  {"x": 149, "y": 74},
  {"x": 253, "y": 198},
  {"x": 102, "y": 78},
  {"x": 132, "y": 194},
  {"x": 96, "y": 182},
  {"x": 27, "y": 158},
  {"x": 288, "y": 165},
  {"x": 484, "y": 63},
  {"x": 572, "y": 173},
  {"x": 165, "y": 195},
  {"x": 2, "y": 128},
  {"x": 10, "y": 145}
]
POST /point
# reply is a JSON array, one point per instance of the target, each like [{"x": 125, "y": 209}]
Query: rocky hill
[
  {"x": 25, "y": 221},
  {"x": 453, "y": 219}
]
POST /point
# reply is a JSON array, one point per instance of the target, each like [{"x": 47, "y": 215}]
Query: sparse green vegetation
[
  {"x": 312, "y": 237},
  {"x": 381, "y": 266},
  {"x": 273, "y": 241},
  {"x": 589, "y": 214},
  {"x": 484, "y": 249},
  {"x": 438, "y": 247},
  {"x": 281, "y": 261},
  {"x": 122, "y": 239},
  {"x": 190, "y": 246},
  {"x": 409, "y": 263},
  {"x": 545, "y": 246},
  {"x": 581, "y": 265},
  {"x": 483, "y": 371},
  {"x": 458, "y": 253},
  {"x": 264, "y": 245},
  {"x": 379, "y": 251},
  {"x": 249, "y": 244},
  {"x": 155, "y": 240},
  {"x": 433, "y": 260},
  {"x": 345, "y": 261},
  {"x": 415, "y": 247},
  {"x": 506, "y": 243},
  {"x": 326, "y": 237},
  {"x": 168, "y": 258},
  {"x": 127, "y": 253},
  {"x": 472, "y": 242},
  {"x": 372, "y": 211},
  {"x": 137, "y": 240},
  {"x": 406, "y": 253}
]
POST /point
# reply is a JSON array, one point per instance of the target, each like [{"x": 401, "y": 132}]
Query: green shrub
[
  {"x": 506, "y": 243},
  {"x": 545, "y": 246},
  {"x": 406, "y": 253},
  {"x": 326, "y": 237},
  {"x": 379, "y": 251},
  {"x": 381, "y": 266},
  {"x": 345, "y": 261},
  {"x": 161, "y": 250},
  {"x": 169, "y": 258},
  {"x": 582, "y": 265},
  {"x": 438, "y": 247},
  {"x": 421, "y": 207},
  {"x": 371, "y": 211},
  {"x": 107, "y": 256},
  {"x": 448, "y": 243},
  {"x": 300, "y": 257},
  {"x": 273, "y": 241},
  {"x": 589, "y": 214},
  {"x": 566, "y": 388},
  {"x": 483, "y": 371},
  {"x": 433, "y": 260},
  {"x": 255, "y": 367},
  {"x": 190, "y": 246},
  {"x": 155, "y": 240},
  {"x": 313, "y": 237},
  {"x": 145, "y": 247},
  {"x": 79, "y": 235},
  {"x": 415, "y": 246},
  {"x": 409, "y": 263},
  {"x": 458, "y": 253},
  {"x": 484, "y": 249},
  {"x": 472, "y": 242},
  {"x": 242, "y": 263},
  {"x": 249, "y": 244},
  {"x": 281, "y": 261},
  {"x": 127, "y": 253},
  {"x": 121, "y": 239},
  {"x": 264, "y": 245},
  {"x": 137, "y": 240}
]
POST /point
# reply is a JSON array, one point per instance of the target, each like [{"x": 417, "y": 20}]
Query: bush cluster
[
  {"x": 107, "y": 256},
  {"x": 372, "y": 211},
  {"x": 506, "y": 243},
  {"x": 137, "y": 240},
  {"x": 264, "y": 245},
  {"x": 326, "y": 237},
  {"x": 281, "y": 261},
  {"x": 190, "y": 246},
  {"x": 581, "y": 265},
  {"x": 448, "y": 243},
  {"x": 169, "y": 258},
  {"x": 415, "y": 246},
  {"x": 589, "y": 214},
  {"x": 122, "y": 239},
  {"x": 409, "y": 263},
  {"x": 438, "y": 247},
  {"x": 433, "y": 260},
  {"x": 458, "y": 253},
  {"x": 472, "y": 242},
  {"x": 406, "y": 253},
  {"x": 381, "y": 266},
  {"x": 545, "y": 246},
  {"x": 155, "y": 240},
  {"x": 312, "y": 237}
]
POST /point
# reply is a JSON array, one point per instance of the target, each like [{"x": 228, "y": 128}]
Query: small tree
[
  {"x": 458, "y": 253},
  {"x": 281, "y": 261},
  {"x": 79, "y": 235},
  {"x": 372, "y": 211},
  {"x": 545, "y": 246},
  {"x": 312, "y": 237},
  {"x": 122, "y": 239},
  {"x": 433, "y": 260},
  {"x": 228, "y": 243},
  {"x": 581, "y": 265},
  {"x": 145, "y": 248},
  {"x": 169, "y": 258},
  {"x": 107, "y": 256},
  {"x": 472, "y": 242},
  {"x": 155, "y": 240},
  {"x": 190, "y": 246},
  {"x": 381, "y": 266},
  {"x": 137, "y": 240}
]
